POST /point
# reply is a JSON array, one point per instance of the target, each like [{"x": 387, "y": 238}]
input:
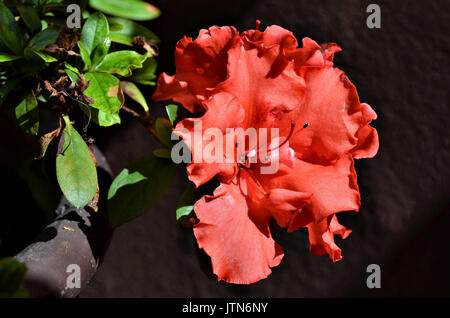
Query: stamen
[
  {"x": 257, "y": 25},
  {"x": 287, "y": 138},
  {"x": 251, "y": 153}
]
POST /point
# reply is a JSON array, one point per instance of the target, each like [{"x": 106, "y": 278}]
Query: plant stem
[{"x": 146, "y": 120}]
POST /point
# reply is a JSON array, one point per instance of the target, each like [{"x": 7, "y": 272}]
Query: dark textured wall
[{"x": 402, "y": 71}]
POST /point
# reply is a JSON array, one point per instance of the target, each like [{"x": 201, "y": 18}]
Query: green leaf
[
  {"x": 138, "y": 188},
  {"x": 27, "y": 114},
  {"x": 189, "y": 196},
  {"x": 144, "y": 82},
  {"x": 164, "y": 130},
  {"x": 72, "y": 75},
  {"x": 162, "y": 153},
  {"x": 130, "y": 9},
  {"x": 44, "y": 38},
  {"x": 30, "y": 17},
  {"x": 114, "y": 26},
  {"x": 121, "y": 62},
  {"x": 172, "y": 112},
  {"x": 185, "y": 206},
  {"x": 105, "y": 90},
  {"x": 72, "y": 72},
  {"x": 85, "y": 14},
  {"x": 146, "y": 74},
  {"x": 100, "y": 51},
  {"x": 45, "y": 57},
  {"x": 3, "y": 48},
  {"x": 41, "y": 98},
  {"x": 85, "y": 56},
  {"x": 133, "y": 91},
  {"x": 44, "y": 24},
  {"x": 184, "y": 211},
  {"x": 10, "y": 31},
  {"x": 8, "y": 57},
  {"x": 125, "y": 31},
  {"x": 99, "y": 117},
  {"x": 12, "y": 274},
  {"x": 94, "y": 32},
  {"x": 47, "y": 5},
  {"x": 75, "y": 168},
  {"x": 72, "y": 68}
]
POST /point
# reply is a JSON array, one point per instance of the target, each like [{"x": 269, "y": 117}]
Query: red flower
[{"x": 262, "y": 80}]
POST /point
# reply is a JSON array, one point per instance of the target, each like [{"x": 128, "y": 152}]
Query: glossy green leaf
[
  {"x": 12, "y": 274},
  {"x": 138, "y": 188},
  {"x": 72, "y": 72},
  {"x": 72, "y": 68},
  {"x": 72, "y": 75},
  {"x": 146, "y": 82},
  {"x": 44, "y": 24},
  {"x": 10, "y": 31},
  {"x": 131, "y": 90},
  {"x": 130, "y": 9},
  {"x": 45, "y": 57},
  {"x": 85, "y": 56},
  {"x": 30, "y": 17},
  {"x": 8, "y": 57},
  {"x": 100, "y": 51},
  {"x": 184, "y": 211},
  {"x": 121, "y": 62},
  {"x": 99, "y": 117},
  {"x": 27, "y": 114},
  {"x": 172, "y": 112},
  {"x": 164, "y": 129},
  {"x": 75, "y": 168},
  {"x": 105, "y": 90},
  {"x": 44, "y": 38},
  {"x": 185, "y": 206},
  {"x": 125, "y": 31},
  {"x": 113, "y": 25},
  {"x": 146, "y": 75},
  {"x": 95, "y": 31}
]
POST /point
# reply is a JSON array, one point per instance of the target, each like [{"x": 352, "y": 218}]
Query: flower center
[{"x": 256, "y": 152}]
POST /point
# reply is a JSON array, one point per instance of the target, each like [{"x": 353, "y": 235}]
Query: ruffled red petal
[
  {"x": 200, "y": 65},
  {"x": 309, "y": 55},
  {"x": 169, "y": 87},
  {"x": 237, "y": 239},
  {"x": 223, "y": 111},
  {"x": 333, "y": 189},
  {"x": 266, "y": 95},
  {"x": 368, "y": 143},
  {"x": 334, "y": 115},
  {"x": 321, "y": 237}
]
